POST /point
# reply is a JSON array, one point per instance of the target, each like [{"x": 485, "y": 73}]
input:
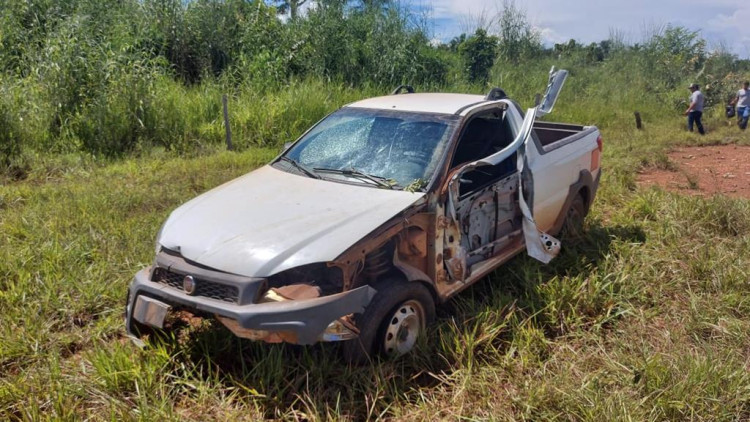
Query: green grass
[
  {"x": 108, "y": 122},
  {"x": 645, "y": 318}
]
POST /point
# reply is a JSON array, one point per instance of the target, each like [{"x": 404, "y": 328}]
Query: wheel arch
[
  {"x": 413, "y": 274},
  {"x": 585, "y": 187}
]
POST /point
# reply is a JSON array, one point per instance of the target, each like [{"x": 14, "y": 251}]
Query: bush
[
  {"x": 478, "y": 53},
  {"x": 10, "y": 140},
  {"x": 111, "y": 77},
  {"x": 120, "y": 116},
  {"x": 518, "y": 39},
  {"x": 20, "y": 126}
]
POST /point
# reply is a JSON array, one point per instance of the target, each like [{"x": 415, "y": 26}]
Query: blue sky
[{"x": 719, "y": 21}]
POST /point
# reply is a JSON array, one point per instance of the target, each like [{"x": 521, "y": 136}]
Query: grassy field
[
  {"x": 645, "y": 318},
  {"x": 110, "y": 117}
]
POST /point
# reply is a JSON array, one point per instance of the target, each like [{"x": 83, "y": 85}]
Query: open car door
[{"x": 463, "y": 229}]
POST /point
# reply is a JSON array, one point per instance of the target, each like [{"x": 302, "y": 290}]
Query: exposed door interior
[{"x": 487, "y": 212}]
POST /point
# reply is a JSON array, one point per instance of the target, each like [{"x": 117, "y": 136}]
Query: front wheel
[{"x": 392, "y": 322}]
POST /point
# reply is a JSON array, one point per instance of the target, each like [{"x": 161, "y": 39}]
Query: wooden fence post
[{"x": 226, "y": 123}]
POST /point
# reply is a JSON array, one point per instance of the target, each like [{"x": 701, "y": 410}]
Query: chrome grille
[{"x": 204, "y": 287}]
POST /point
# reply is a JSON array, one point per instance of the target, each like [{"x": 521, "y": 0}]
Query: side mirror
[{"x": 555, "y": 84}]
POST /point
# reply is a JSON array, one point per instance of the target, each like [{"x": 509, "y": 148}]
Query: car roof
[{"x": 424, "y": 103}]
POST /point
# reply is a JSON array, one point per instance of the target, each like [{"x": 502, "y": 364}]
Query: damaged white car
[{"x": 382, "y": 210}]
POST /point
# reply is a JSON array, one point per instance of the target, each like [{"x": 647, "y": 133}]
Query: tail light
[{"x": 596, "y": 154}]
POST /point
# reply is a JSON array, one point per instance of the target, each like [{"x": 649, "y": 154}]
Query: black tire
[
  {"x": 574, "y": 216},
  {"x": 404, "y": 297}
]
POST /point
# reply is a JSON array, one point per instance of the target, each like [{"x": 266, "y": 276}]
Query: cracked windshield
[{"x": 382, "y": 148}]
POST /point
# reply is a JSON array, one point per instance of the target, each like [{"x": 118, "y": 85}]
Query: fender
[{"x": 587, "y": 184}]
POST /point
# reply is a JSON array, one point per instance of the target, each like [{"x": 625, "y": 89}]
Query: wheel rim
[{"x": 403, "y": 328}]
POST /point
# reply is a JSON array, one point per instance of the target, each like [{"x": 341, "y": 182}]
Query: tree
[
  {"x": 291, "y": 6},
  {"x": 673, "y": 52},
  {"x": 517, "y": 37},
  {"x": 478, "y": 54}
]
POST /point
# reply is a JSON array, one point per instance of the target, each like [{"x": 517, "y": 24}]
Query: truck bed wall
[
  {"x": 550, "y": 136},
  {"x": 549, "y": 133}
]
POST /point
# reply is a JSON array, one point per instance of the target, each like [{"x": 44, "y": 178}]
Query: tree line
[{"x": 107, "y": 76}]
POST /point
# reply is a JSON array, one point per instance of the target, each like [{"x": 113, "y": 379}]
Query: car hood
[{"x": 269, "y": 220}]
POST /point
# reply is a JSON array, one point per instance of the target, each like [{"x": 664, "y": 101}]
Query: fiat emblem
[{"x": 188, "y": 284}]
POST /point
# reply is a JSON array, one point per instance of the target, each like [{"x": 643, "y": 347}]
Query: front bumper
[{"x": 300, "y": 321}]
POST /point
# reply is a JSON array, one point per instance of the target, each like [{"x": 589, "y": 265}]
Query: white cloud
[
  {"x": 735, "y": 27},
  {"x": 592, "y": 20},
  {"x": 550, "y": 36}
]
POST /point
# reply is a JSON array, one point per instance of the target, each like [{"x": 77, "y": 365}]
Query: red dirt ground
[{"x": 704, "y": 171}]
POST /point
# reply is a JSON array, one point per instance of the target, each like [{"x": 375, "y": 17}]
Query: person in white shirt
[
  {"x": 695, "y": 110},
  {"x": 742, "y": 101}
]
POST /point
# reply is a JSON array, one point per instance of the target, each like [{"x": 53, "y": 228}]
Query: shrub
[
  {"x": 10, "y": 140},
  {"x": 478, "y": 53},
  {"x": 518, "y": 39}
]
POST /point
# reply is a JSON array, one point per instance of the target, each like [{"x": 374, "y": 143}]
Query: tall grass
[
  {"x": 117, "y": 77},
  {"x": 112, "y": 78},
  {"x": 111, "y": 110},
  {"x": 643, "y": 318}
]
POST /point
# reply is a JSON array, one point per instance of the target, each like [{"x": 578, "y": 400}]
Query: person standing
[
  {"x": 694, "y": 112},
  {"x": 742, "y": 101}
]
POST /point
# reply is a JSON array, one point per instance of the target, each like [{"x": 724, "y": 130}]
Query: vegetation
[
  {"x": 110, "y": 116},
  {"x": 117, "y": 77},
  {"x": 478, "y": 53}
]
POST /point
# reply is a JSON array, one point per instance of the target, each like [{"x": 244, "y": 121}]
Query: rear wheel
[
  {"x": 573, "y": 226},
  {"x": 392, "y": 322}
]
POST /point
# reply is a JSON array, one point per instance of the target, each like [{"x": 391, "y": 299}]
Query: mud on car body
[{"x": 382, "y": 210}]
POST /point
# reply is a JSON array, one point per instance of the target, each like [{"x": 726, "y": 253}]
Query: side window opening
[{"x": 485, "y": 135}]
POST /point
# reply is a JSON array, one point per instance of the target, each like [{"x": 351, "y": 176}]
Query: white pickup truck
[{"x": 382, "y": 210}]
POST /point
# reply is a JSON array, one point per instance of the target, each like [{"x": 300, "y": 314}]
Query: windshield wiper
[
  {"x": 300, "y": 167},
  {"x": 380, "y": 181}
]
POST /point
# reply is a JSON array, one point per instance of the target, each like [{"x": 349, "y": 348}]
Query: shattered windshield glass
[{"x": 401, "y": 147}]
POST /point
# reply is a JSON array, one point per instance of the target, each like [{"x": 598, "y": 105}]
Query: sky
[{"x": 720, "y": 22}]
